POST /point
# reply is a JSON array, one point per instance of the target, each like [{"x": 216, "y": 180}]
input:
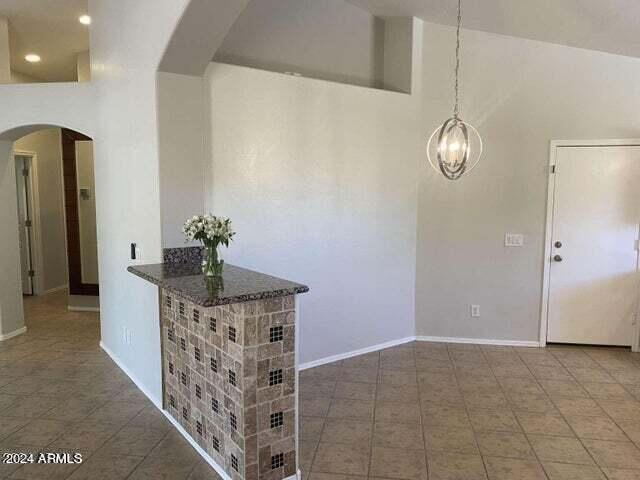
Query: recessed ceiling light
[
  {"x": 32, "y": 58},
  {"x": 85, "y": 19}
]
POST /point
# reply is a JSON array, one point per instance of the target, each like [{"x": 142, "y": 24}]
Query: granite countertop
[{"x": 238, "y": 284}]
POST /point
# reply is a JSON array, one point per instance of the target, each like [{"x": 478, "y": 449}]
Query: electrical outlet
[
  {"x": 513, "y": 240},
  {"x": 475, "y": 311}
]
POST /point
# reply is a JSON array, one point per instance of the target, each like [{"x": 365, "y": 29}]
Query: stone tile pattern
[
  {"x": 191, "y": 255},
  {"x": 229, "y": 379},
  {"x": 467, "y": 412},
  {"x": 237, "y": 284}
]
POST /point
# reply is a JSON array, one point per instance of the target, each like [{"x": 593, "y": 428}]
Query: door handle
[{"x": 557, "y": 258}]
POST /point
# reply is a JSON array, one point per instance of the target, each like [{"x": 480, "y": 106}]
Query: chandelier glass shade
[{"x": 455, "y": 147}]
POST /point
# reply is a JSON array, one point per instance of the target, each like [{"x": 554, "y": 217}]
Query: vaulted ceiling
[
  {"x": 49, "y": 28},
  {"x": 606, "y": 25}
]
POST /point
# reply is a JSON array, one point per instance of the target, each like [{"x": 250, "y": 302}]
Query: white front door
[{"x": 593, "y": 281}]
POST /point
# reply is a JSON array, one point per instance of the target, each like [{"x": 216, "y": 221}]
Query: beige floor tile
[
  {"x": 614, "y": 454},
  {"x": 494, "y": 421},
  {"x": 307, "y": 453},
  {"x": 155, "y": 468},
  {"x": 444, "y": 415},
  {"x": 359, "y": 375},
  {"x": 73, "y": 409},
  {"x": 39, "y": 432},
  {"x": 524, "y": 386},
  {"x": 203, "y": 471},
  {"x": 560, "y": 449},
  {"x": 511, "y": 371},
  {"x": 397, "y": 393},
  {"x": 578, "y": 406},
  {"x": 398, "y": 463},
  {"x": 314, "y": 406},
  {"x": 347, "y": 431},
  {"x": 607, "y": 391},
  {"x": 600, "y": 428},
  {"x": 311, "y": 428},
  {"x": 563, "y": 388},
  {"x": 486, "y": 400},
  {"x": 355, "y": 391},
  {"x": 398, "y": 412},
  {"x": 116, "y": 412},
  {"x": 565, "y": 471},
  {"x": 85, "y": 435},
  {"x": 316, "y": 388},
  {"x": 499, "y": 468},
  {"x": 333, "y": 476},
  {"x": 368, "y": 360},
  {"x": 397, "y": 435},
  {"x": 621, "y": 474},
  {"x": 621, "y": 409},
  {"x": 9, "y": 425},
  {"x": 455, "y": 466},
  {"x": 531, "y": 403},
  {"x": 397, "y": 377},
  {"x": 444, "y": 439},
  {"x": 544, "y": 424},
  {"x": 341, "y": 458},
  {"x": 32, "y": 406},
  {"x": 135, "y": 441},
  {"x": 504, "y": 444},
  {"x": 351, "y": 409},
  {"x": 587, "y": 374},
  {"x": 106, "y": 468}
]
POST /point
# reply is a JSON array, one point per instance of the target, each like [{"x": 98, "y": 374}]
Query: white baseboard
[
  {"x": 158, "y": 403},
  {"x": 355, "y": 353},
  {"x": 420, "y": 338},
  {"x": 71, "y": 308},
  {"x": 15, "y": 333},
  {"x": 478, "y": 341},
  {"x": 54, "y": 290}
]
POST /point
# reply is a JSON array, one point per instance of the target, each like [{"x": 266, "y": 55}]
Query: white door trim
[
  {"x": 548, "y": 236},
  {"x": 36, "y": 229}
]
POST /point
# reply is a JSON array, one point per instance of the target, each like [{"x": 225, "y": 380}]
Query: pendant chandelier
[{"x": 455, "y": 147}]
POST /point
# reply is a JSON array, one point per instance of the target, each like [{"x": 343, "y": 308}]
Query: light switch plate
[{"x": 513, "y": 240}]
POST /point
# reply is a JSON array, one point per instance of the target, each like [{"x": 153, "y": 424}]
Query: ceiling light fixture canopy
[
  {"x": 32, "y": 58},
  {"x": 455, "y": 147},
  {"x": 85, "y": 19}
]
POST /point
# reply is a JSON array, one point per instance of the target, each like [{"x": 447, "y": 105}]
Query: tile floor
[
  {"x": 59, "y": 392},
  {"x": 417, "y": 411},
  {"x": 470, "y": 412}
]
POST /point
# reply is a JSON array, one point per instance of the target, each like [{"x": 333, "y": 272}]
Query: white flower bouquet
[{"x": 212, "y": 231}]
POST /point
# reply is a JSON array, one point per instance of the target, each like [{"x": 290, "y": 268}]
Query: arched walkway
[{"x": 11, "y": 308}]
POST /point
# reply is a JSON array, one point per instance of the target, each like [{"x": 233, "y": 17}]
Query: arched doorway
[{"x": 49, "y": 242}]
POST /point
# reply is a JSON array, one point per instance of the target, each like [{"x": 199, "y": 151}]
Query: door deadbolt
[{"x": 558, "y": 244}]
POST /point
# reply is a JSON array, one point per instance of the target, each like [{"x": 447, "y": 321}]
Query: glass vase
[{"x": 211, "y": 264}]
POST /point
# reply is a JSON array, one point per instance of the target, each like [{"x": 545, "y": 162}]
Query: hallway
[{"x": 59, "y": 392}]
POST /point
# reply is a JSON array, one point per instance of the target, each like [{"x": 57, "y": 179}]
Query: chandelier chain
[{"x": 456, "y": 108}]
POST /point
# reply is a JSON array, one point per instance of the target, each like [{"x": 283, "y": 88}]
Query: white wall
[
  {"x": 128, "y": 38},
  {"x": 5, "y": 55},
  {"x": 25, "y": 109},
  {"x": 319, "y": 179},
  {"x": 520, "y": 94},
  {"x": 181, "y": 142},
  {"x": 327, "y": 39},
  {"x": 47, "y": 145}
]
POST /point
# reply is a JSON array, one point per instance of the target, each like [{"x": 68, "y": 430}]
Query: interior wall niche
[
  {"x": 77, "y": 285},
  {"x": 325, "y": 39}
]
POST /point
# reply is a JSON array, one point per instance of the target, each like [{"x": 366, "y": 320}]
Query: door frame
[
  {"x": 548, "y": 235},
  {"x": 36, "y": 225}
]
